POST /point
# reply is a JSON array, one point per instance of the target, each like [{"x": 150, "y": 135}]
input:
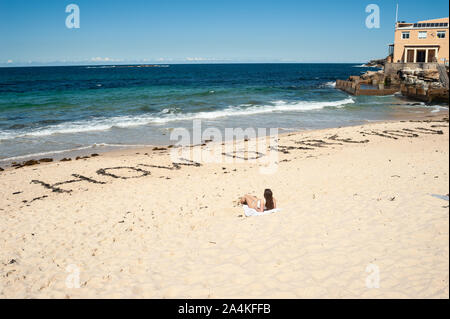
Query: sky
[{"x": 197, "y": 31}]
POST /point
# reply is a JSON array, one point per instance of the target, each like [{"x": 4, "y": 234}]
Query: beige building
[{"x": 424, "y": 41}]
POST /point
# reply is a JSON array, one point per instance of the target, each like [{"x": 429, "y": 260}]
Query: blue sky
[{"x": 195, "y": 31}]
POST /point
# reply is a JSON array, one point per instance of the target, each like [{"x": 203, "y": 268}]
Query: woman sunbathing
[{"x": 260, "y": 205}]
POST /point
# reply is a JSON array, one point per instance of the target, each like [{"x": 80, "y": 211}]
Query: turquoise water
[{"x": 44, "y": 110}]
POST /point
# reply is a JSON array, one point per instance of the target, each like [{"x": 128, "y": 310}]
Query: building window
[
  {"x": 405, "y": 35},
  {"x": 441, "y": 34},
  {"x": 422, "y": 34}
]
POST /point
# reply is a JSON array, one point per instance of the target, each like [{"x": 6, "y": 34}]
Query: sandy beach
[{"x": 363, "y": 216}]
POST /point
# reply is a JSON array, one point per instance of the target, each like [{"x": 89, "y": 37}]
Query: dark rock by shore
[
  {"x": 31, "y": 162},
  {"x": 26, "y": 163},
  {"x": 46, "y": 160}
]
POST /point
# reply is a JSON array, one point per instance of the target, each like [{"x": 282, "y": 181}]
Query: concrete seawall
[{"x": 354, "y": 88}]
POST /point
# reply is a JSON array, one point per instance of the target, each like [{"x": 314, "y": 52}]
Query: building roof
[{"x": 424, "y": 24}]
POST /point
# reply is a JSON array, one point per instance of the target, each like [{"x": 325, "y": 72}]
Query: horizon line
[{"x": 160, "y": 64}]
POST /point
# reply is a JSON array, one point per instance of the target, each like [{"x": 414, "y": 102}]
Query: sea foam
[{"x": 102, "y": 124}]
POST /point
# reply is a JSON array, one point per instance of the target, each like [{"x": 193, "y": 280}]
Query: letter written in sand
[
  {"x": 124, "y": 169},
  {"x": 56, "y": 189}
]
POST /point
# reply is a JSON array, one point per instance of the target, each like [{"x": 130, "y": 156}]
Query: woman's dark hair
[{"x": 269, "y": 199}]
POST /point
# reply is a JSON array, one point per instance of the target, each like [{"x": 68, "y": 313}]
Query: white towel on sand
[{"x": 251, "y": 212}]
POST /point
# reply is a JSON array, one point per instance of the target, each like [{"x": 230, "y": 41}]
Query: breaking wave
[{"x": 165, "y": 116}]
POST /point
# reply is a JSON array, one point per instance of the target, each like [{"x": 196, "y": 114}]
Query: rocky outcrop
[
  {"x": 373, "y": 77},
  {"x": 423, "y": 84},
  {"x": 379, "y": 63},
  {"x": 424, "y": 78},
  {"x": 427, "y": 83}
]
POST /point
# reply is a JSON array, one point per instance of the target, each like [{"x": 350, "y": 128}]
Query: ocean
[{"x": 52, "y": 110}]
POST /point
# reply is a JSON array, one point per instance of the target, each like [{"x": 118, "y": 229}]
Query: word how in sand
[{"x": 111, "y": 172}]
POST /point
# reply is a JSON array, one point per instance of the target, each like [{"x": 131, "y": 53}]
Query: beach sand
[{"x": 358, "y": 220}]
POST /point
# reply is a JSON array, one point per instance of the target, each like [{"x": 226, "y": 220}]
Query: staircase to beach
[{"x": 443, "y": 75}]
